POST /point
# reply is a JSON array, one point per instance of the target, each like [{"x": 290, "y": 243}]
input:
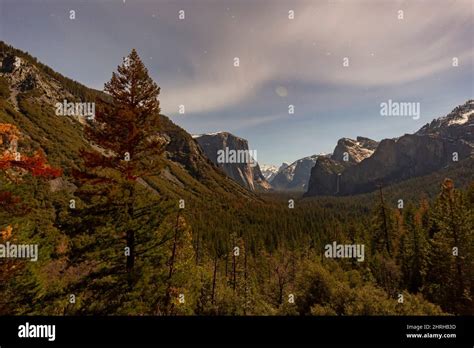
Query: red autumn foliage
[
  {"x": 11, "y": 159},
  {"x": 35, "y": 164}
]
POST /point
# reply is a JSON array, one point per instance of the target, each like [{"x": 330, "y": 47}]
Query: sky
[{"x": 335, "y": 61}]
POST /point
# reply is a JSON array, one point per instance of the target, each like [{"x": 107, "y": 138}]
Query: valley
[{"x": 171, "y": 222}]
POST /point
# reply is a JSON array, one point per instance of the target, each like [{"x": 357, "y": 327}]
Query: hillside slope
[{"x": 29, "y": 92}]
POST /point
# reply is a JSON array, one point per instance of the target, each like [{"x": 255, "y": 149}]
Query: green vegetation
[
  {"x": 4, "y": 89},
  {"x": 167, "y": 234},
  {"x": 281, "y": 253}
]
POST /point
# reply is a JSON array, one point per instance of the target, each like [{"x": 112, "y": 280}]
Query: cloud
[{"x": 382, "y": 49}]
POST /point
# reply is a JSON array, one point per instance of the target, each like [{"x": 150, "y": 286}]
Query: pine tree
[
  {"x": 181, "y": 274},
  {"x": 382, "y": 228},
  {"x": 117, "y": 212},
  {"x": 413, "y": 249},
  {"x": 451, "y": 273}
]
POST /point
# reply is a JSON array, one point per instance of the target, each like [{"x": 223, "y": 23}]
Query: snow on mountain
[
  {"x": 350, "y": 150},
  {"x": 294, "y": 176},
  {"x": 460, "y": 116},
  {"x": 201, "y": 135},
  {"x": 347, "y": 172},
  {"x": 269, "y": 171},
  {"x": 462, "y": 119}
]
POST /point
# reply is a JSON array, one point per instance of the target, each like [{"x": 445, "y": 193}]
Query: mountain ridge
[
  {"x": 29, "y": 91},
  {"x": 433, "y": 147}
]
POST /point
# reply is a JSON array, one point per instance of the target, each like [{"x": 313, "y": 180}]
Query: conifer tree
[
  {"x": 413, "y": 250},
  {"x": 382, "y": 227},
  {"x": 115, "y": 202},
  {"x": 180, "y": 271},
  {"x": 451, "y": 276}
]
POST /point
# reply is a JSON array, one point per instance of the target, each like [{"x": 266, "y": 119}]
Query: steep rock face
[
  {"x": 294, "y": 177},
  {"x": 398, "y": 160},
  {"x": 435, "y": 146},
  {"x": 245, "y": 172},
  {"x": 325, "y": 176},
  {"x": 354, "y": 151}
]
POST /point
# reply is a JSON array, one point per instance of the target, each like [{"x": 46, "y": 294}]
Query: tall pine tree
[
  {"x": 117, "y": 213},
  {"x": 451, "y": 274}
]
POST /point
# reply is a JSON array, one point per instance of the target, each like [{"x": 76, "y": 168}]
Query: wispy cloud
[
  {"x": 282, "y": 61},
  {"x": 382, "y": 49}
]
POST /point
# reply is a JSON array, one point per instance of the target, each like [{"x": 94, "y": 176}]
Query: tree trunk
[
  {"x": 214, "y": 276},
  {"x": 197, "y": 247},
  {"x": 130, "y": 234},
  {"x": 234, "y": 273},
  {"x": 171, "y": 262},
  {"x": 175, "y": 243},
  {"x": 385, "y": 227},
  {"x": 226, "y": 267}
]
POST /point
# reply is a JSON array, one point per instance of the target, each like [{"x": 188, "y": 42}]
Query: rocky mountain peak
[
  {"x": 294, "y": 177},
  {"x": 269, "y": 171},
  {"x": 283, "y": 166},
  {"x": 443, "y": 142},
  {"x": 22, "y": 76},
  {"x": 354, "y": 151},
  {"x": 461, "y": 115},
  {"x": 245, "y": 172}
]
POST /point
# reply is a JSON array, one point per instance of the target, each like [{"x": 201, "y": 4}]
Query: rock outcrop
[
  {"x": 436, "y": 145},
  {"x": 294, "y": 177},
  {"x": 354, "y": 151},
  {"x": 242, "y": 168}
]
